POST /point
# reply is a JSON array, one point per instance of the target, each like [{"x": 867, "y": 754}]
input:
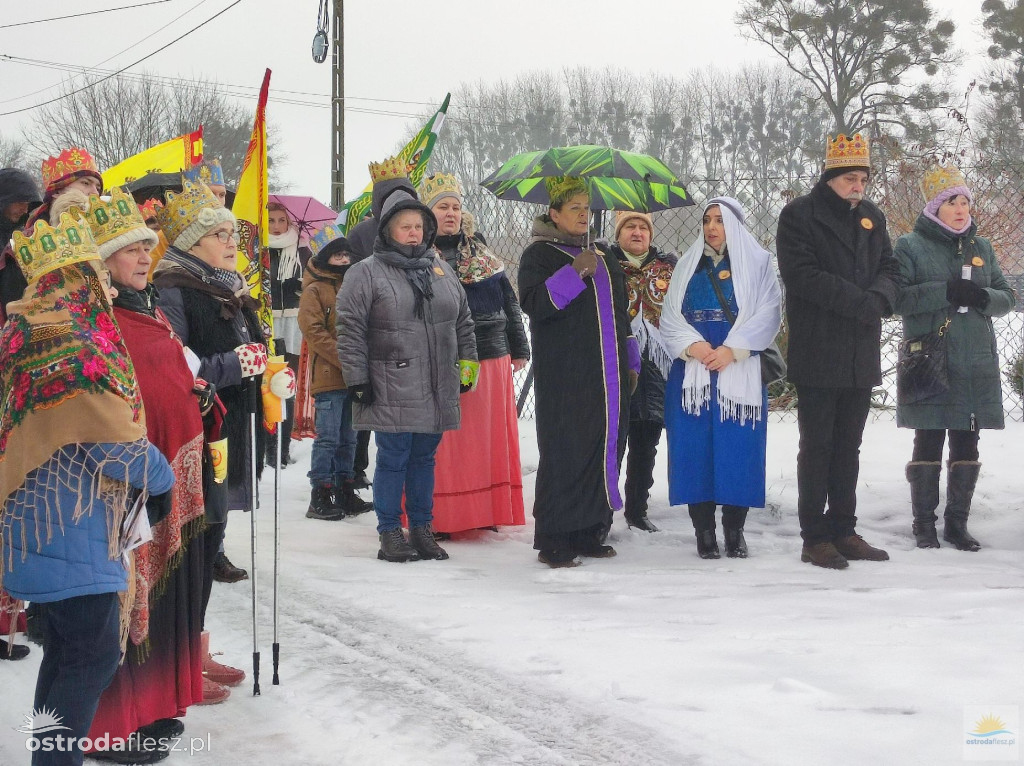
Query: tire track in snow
[{"x": 494, "y": 716}]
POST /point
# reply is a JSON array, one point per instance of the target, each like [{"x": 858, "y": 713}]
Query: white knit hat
[
  {"x": 206, "y": 221},
  {"x": 138, "y": 234}
]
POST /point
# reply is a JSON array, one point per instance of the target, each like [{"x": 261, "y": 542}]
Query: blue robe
[{"x": 710, "y": 459}]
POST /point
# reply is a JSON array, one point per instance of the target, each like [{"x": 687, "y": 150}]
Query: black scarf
[{"x": 140, "y": 301}]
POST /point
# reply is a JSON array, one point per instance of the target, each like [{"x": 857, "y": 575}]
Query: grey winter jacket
[
  {"x": 410, "y": 362},
  {"x": 928, "y": 258}
]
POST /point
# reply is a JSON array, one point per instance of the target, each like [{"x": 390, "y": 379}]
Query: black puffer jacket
[{"x": 497, "y": 317}]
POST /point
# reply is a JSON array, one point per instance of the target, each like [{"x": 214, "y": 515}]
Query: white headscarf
[{"x": 759, "y": 298}]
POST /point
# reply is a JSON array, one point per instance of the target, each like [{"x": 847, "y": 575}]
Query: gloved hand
[
  {"x": 206, "y": 393},
  {"x": 253, "y": 358},
  {"x": 361, "y": 393},
  {"x": 469, "y": 375},
  {"x": 585, "y": 263},
  {"x": 964, "y": 292},
  {"x": 282, "y": 384}
]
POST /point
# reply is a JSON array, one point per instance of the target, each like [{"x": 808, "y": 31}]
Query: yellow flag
[
  {"x": 250, "y": 208},
  {"x": 172, "y": 156}
]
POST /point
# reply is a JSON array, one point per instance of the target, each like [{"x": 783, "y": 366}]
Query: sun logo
[
  {"x": 989, "y": 725},
  {"x": 42, "y": 721}
]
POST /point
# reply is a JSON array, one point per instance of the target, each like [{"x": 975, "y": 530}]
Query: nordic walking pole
[
  {"x": 278, "y": 385},
  {"x": 253, "y": 393}
]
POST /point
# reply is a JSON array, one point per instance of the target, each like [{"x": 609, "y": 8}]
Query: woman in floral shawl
[
  {"x": 478, "y": 480},
  {"x": 75, "y": 467}
]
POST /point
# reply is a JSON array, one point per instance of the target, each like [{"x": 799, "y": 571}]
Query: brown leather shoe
[
  {"x": 225, "y": 571},
  {"x": 855, "y": 548},
  {"x": 823, "y": 555}
]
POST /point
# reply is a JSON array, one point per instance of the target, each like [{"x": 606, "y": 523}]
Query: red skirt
[{"x": 478, "y": 481}]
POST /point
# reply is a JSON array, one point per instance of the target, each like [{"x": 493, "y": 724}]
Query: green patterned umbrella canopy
[{"x": 618, "y": 180}]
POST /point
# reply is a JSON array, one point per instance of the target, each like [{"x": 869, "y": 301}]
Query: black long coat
[
  {"x": 841, "y": 278},
  {"x": 578, "y": 406}
]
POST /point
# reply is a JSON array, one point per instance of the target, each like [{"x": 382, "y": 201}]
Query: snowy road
[{"x": 653, "y": 657}]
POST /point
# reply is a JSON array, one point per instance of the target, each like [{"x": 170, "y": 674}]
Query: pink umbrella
[{"x": 306, "y": 213}]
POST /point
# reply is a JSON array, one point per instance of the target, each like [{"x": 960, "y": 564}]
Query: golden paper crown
[
  {"x": 114, "y": 218},
  {"x": 70, "y": 161},
  {"x": 562, "y": 188},
  {"x": 49, "y": 248},
  {"x": 939, "y": 178},
  {"x": 181, "y": 210},
  {"x": 843, "y": 152},
  {"x": 392, "y": 167},
  {"x": 439, "y": 185}
]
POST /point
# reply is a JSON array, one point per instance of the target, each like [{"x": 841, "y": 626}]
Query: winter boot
[
  {"x": 213, "y": 692},
  {"x": 321, "y": 504},
  {"x": 225, "y": 571},
  {"x": 359, "y": 480},
  {"x": 733, "y": 519},
  {"x": 823, "y": 555},
  {"x": 348, "y": 502},
  {"x": 924, "y": 499},
  {"x": 422, "y": 539},
  {"x": 557, "y": 558},
  {"x": 640, "y": 521},
  {"x": 394, "y": 547},
  {"x": 960, "y": 484},
  {"x": 703, "y": 517}
]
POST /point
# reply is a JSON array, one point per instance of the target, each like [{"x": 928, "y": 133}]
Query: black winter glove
[
  {"x": 206, "y": 392},
  {"x": 875, "y": 307},
  {"x": 361, "y": 393},
  {"x": 158, "y": 507},
  {"x": 964, "y": 292}
]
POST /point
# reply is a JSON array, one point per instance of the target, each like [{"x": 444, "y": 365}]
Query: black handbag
[
  {"x": 773, "y": 366},
  {"x": 921, "y": 371}
]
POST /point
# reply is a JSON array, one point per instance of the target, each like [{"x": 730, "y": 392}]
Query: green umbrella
[{"x": 618, "y": 180}]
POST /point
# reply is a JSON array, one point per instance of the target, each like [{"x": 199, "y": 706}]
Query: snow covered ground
[{"x": 653, "y": 657}]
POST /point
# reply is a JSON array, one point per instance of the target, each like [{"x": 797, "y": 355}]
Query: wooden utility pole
[{"x": 338, "y": 109}]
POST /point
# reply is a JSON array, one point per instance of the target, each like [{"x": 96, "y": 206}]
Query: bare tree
[
  {"x": 127, "y": 114},
  {"x": 859, "y": 56},
  {"x": 12, "y": 154}
]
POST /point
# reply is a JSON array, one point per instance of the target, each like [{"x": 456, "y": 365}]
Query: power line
[
  {"x": 86, "y": 13},
  {"x": 109, "y": 58},
  {"x": 139, "y": 61}
]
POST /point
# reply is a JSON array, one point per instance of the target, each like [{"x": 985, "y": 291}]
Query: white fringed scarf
[
  {"x": 759, "y": 297},
  {"x": 288, "y": 261}
]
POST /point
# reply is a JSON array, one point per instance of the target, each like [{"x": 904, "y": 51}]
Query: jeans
[
  {"x": 81, "y": 652},
  {"x": 334, "y": 448},
  {"x": 405, "y": 461},
  {"x": 831, "y": 422}
]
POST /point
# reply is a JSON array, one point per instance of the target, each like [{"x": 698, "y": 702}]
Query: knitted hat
[
  {"x": 435, "y": 188},
  {"x": 625, "y": 216},
  {"x": 191, "y": 215}
]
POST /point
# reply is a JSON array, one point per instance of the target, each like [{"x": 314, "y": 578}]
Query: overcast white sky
[{"x": 401, "y": 55}]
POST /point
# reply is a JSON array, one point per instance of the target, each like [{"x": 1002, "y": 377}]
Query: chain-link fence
[{"x": 998, "y": 210}]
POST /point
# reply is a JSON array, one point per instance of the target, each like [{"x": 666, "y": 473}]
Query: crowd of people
[{"x": 132, "y": 357}]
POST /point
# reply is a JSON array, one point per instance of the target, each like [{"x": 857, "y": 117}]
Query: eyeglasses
[
  {"x": 224, "y": 236},
  {"x": 107, "y": 278}
]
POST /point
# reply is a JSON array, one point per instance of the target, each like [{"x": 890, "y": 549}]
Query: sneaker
[
  {"x": 225, "y": 675},
  {"x": 823, "y": 555},
  {"x": 854, "y": 548},
  {"x": 225, "y": 571},
  {"x": 213, "y": 693}
]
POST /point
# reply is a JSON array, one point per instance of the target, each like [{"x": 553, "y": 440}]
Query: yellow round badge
[
  {"x": 661, "y": 284},
  {"x": 725, "y": 274},
  {"x": 976, "y": 261},
  {"x": 867, "y": 223},
  {"x": 439, "y": 271}
]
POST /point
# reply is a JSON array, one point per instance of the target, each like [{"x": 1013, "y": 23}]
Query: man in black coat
[
  {"x": 18, "y": 195},
  {"x": 841, "y": 279}
]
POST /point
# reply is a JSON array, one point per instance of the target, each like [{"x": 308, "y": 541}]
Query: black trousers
[
  {"x": 641, "y": 452},
  {"x": 703, "y": 516},
  {"x": 831, "y": 422},
  {"x": 212, "y": 538},
  {"x": 362, "y": 461},
  {"x": 963, "y": 445}
]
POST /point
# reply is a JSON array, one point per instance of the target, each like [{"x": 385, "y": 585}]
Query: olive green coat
[{"x": 928, "y": 258}]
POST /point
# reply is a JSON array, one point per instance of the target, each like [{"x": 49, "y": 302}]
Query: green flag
[{"x": 415, "y": 155}]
